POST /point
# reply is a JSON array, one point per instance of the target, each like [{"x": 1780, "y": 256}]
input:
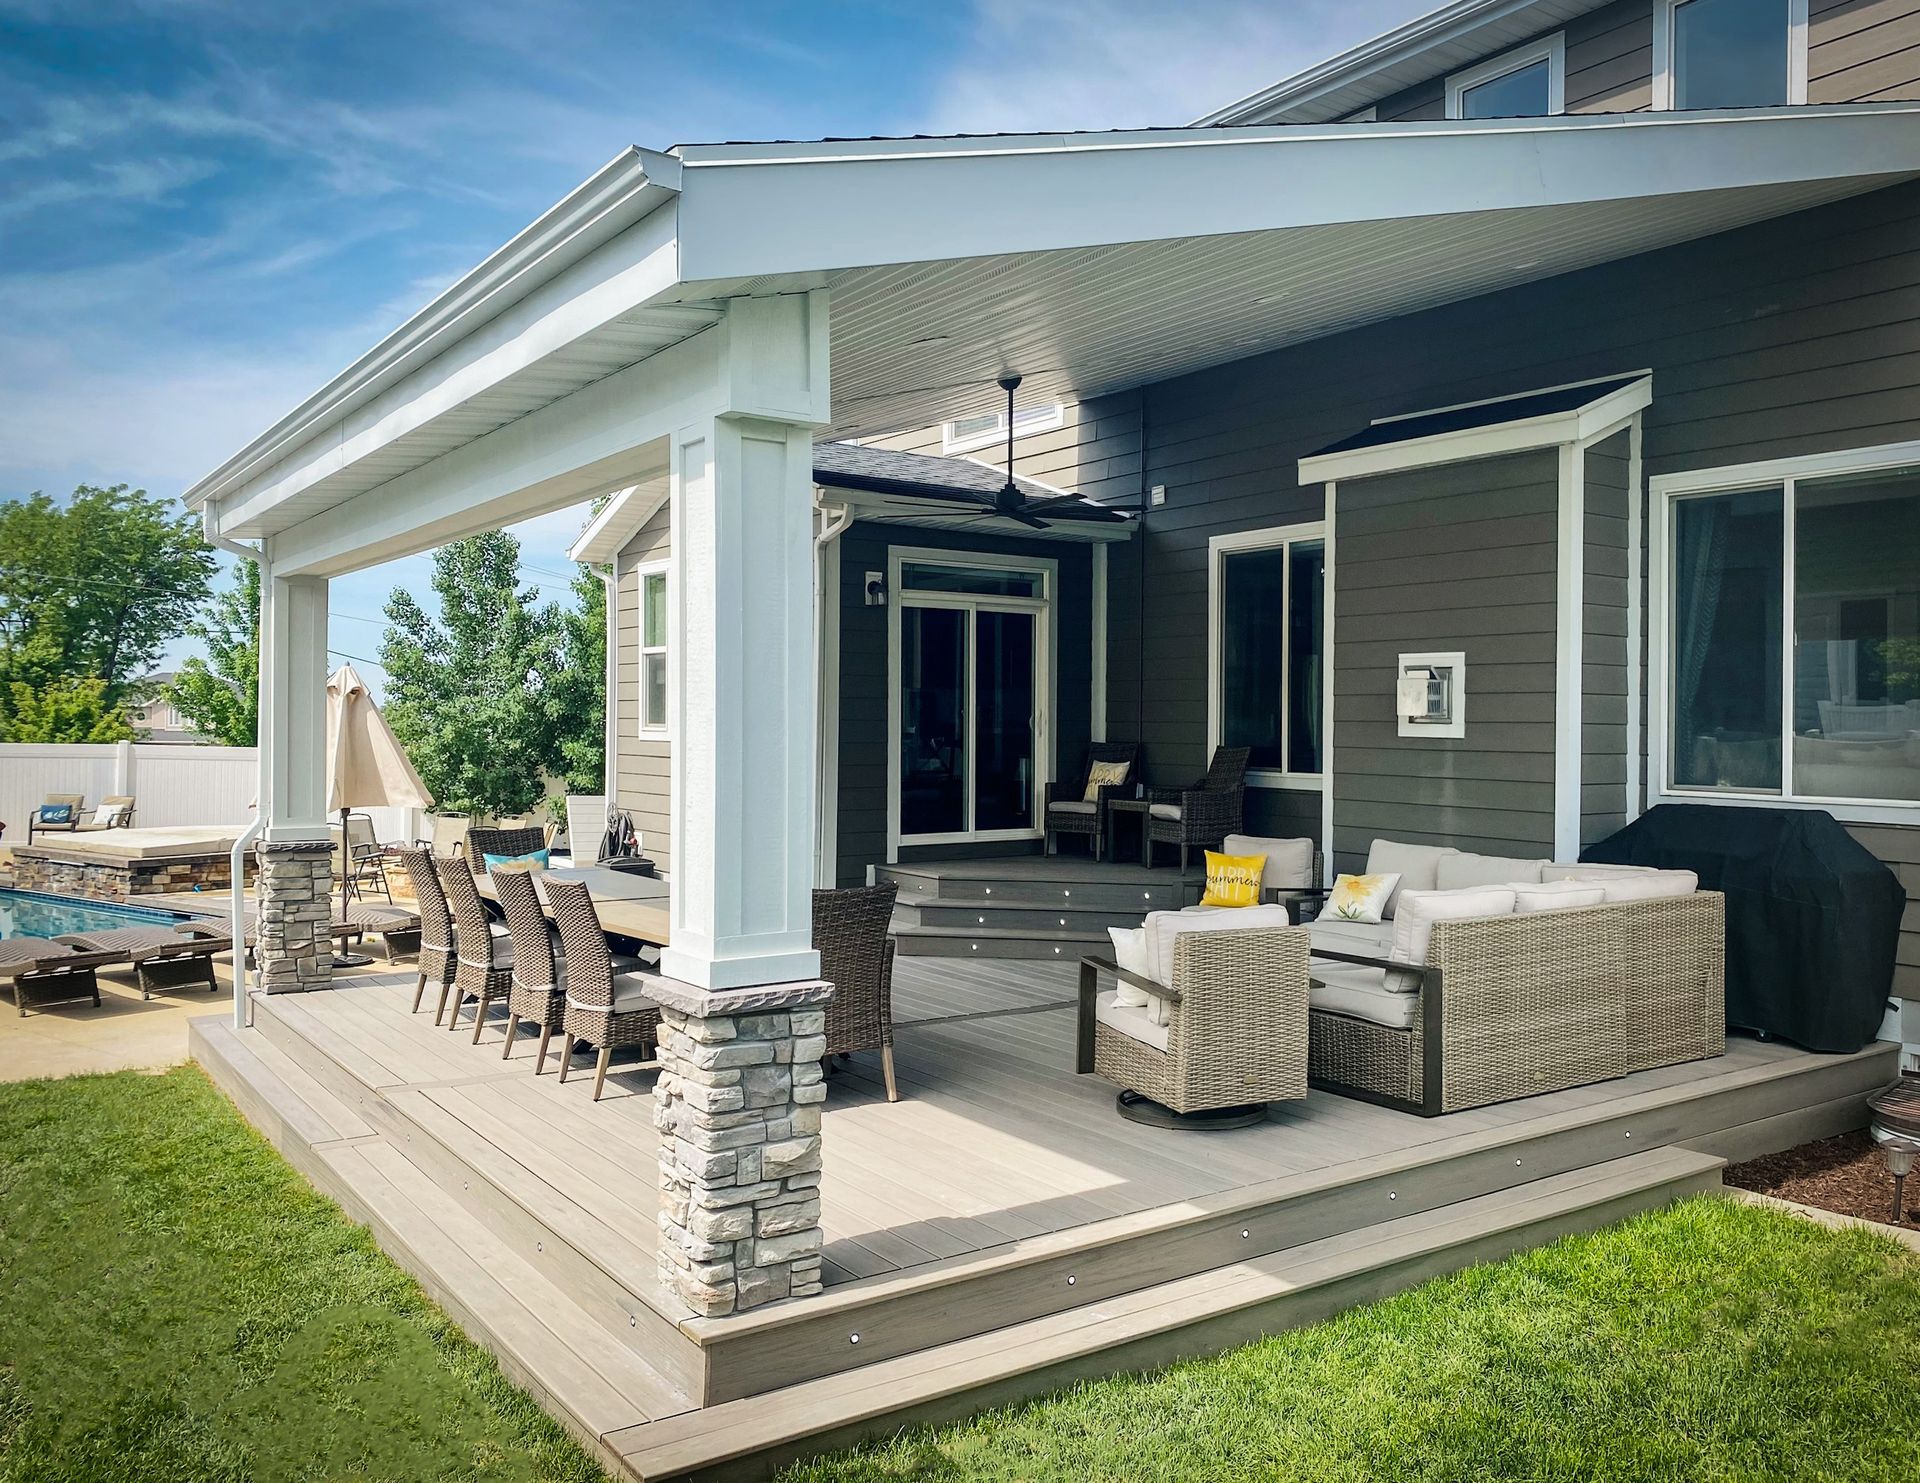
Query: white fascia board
[
  {"x": 1402, "y": 43},
  {"x": 630, "y": 187},
  {"x": 1551, "y": 430},
  {"x": 867, "y": 203},
  {"x": 903, "y": 509}
]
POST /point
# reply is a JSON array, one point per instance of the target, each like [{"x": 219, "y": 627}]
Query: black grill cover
[{"x": 1813, "y": 919}]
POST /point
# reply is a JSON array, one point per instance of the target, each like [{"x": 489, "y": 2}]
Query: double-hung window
[
  {"x": 1528, "y": 82},
  {"x": 1266, "y": 646},
  {"x": 653, "y": 650},
  {"x": 1729, "y": 53},
  {"x": 1792, "y": 629}
]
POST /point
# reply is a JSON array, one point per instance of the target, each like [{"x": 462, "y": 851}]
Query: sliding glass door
[{"x": 969, "y": 666}]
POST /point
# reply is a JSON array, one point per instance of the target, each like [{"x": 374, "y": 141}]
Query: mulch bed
[{"x": 1845, "y": 1175}]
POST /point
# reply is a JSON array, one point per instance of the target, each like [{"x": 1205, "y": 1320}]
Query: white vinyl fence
[{"x": 174, "y": 785}]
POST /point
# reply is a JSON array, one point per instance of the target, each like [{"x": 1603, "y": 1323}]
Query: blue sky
[{"x": 208, "y": 207}]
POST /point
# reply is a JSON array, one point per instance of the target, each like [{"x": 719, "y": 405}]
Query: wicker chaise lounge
[
  {"x": 1235, "y": 1031},
  {"x": 44, "y": 972},
  {"x": 161, "y": 959},
  {"x": 1512, "y": 1006}
]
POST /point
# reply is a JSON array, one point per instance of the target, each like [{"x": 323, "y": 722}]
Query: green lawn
[
  {"x": 1709, "y": 1341},
  {"x": 176, "y": 1304}
]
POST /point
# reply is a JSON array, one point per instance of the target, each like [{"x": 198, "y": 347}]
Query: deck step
[
  {"x": 964, "y": 914},
  {"x": 1036, "y": 883},
  {"x": 999, "y": 942},
  {"x": 1195, "y": 1315}
]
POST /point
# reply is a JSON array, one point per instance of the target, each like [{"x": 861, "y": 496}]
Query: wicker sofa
[{"x": 1517, "y": 1003}]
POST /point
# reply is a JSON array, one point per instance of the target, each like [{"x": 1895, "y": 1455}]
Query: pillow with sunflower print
[{"x": 1361, "y": 898}]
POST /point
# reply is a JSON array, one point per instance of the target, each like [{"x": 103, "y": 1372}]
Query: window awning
[{"x": 1544, "y": 418}]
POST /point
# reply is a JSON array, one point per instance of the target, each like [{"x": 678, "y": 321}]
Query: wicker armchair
[
  {"x": 1203, "y": 815},
  {"x": 606, "y": 1009},
  {"x": 535, "y": 995},
  {"x": 518, "y": 840},
  {"x": 856, "y": 957},
  {"x": 483, "y": 953},
  {"x": 1235, "y": 1036},
  {"x": 1069, "y": 811},
  {"x": 1512, "y": 1006},
  {"x": 437, "y": 957}
]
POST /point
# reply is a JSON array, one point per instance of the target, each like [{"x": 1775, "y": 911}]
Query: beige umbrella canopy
[{"x": 366, "y": 765}]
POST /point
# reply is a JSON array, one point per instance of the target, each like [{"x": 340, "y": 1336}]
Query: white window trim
[
  {"x": 1266, "y": 538},
  {"x": 1665, "y": 491},
  {"x": 1663, "y": 52},
  {"x": 1053, "y": 416},
  {"x": 1549, "y": 49},
  {"x": 641, "y": 572}
]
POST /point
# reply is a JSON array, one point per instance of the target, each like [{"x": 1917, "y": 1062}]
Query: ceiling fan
[{"x": 1007, "y": 501}]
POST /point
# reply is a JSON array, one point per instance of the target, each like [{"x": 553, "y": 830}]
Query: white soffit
[{"x": 1423, "y": 50}]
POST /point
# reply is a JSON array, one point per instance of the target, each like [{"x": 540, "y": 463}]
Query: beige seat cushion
[
  {"x": 1419, "y": 910},
  {"x": 630, "y": 992},
  {"x": 1557, "y": 896},
  {"x": 1289, "y": 861},
  {"x": 1417, "y": 865},
  {"x": 1071, "y": 806},
  {"x": 1347, "y": 988},
  {"x": 1651, "y": 886},
  {"x": 1164, "y": 810},
  {"x": 1591, "y": 872},
  {"x": 1367, "y": 939},
  {"x": 1165, "y": 927},
  {"x": 1458, "y": 871},
  {"x": 1131, "y": 1020}
]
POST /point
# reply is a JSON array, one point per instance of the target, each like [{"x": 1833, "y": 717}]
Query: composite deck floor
[{"x": 995, "y": 1139}]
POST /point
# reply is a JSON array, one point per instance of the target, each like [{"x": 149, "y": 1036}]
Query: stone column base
[
  {"x": 737, "y": 1104},
  {"x": 293, "y": 945}
]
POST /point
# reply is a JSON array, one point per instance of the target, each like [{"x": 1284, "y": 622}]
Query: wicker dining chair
[
  {"x": 1203, "y": 815},
  {"x": 519, "y": 840},
  {"x": 1070, "y": 811},
  {"x": 483, "y": 963},
  {"x": 606, "y": 1009},
  {"x": 536, "y": 995},
  {"x": 437, "y": 955},
  {"x": 856, "y": 957}
]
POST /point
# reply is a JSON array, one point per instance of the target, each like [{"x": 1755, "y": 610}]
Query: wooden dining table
[{"x": 630, "y": 906}]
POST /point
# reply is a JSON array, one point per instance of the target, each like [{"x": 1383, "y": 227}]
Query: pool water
[{"x": 35, "y": 914}]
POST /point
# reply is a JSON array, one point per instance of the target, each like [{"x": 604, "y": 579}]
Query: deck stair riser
[
  {"x": 1180, "y": 1319},
  {"x": 1090, "y": 922},
  {"x": 1051, "y": 910},
  {"x": 1162, "y": 890},
  {"x": 503, "y": 1197},
  {"x": 787, "y": 1345}
]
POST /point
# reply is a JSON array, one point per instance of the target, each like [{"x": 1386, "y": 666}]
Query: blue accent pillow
[
  {"x": 56, "y": 813},
  {"x": 536, "y": 860}
]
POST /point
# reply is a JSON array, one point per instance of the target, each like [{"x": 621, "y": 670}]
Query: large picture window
[
  {"x": 1266, "y": 647},
  {"x": 1793, "y": 651},
  {"x": 1729, "y": 53}
]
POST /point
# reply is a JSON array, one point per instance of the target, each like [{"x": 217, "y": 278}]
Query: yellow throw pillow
[
  {"x": 1361, "y": 898},
  {"x": 1233, "y": 880},
  {"x": 1104, "y": 775}
]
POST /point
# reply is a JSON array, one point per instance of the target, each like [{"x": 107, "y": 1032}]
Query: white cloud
[{"x": 1137, "y": 63}]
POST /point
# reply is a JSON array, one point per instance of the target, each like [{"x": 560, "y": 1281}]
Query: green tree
[
  {"x": 579, "y": 694},
  {"x": 469, "y": 690},
  {"x": 92, "y": 589},
  {"x": 73, "y": 709},
  {"x": 220, "y": 694}
]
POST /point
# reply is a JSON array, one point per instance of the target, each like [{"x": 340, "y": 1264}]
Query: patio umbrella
[{"x": 366, "y": 765}]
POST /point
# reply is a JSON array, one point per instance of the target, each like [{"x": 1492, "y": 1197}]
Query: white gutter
[
  {"x": 610, "y": 720},
  {"x": 825, "y": 749},
  {"x": 237, "y": 860}
]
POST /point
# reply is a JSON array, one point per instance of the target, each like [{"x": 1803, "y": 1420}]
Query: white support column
[
  {"x": 294, "y": 945},
  {"x": 742, "y": 646}
]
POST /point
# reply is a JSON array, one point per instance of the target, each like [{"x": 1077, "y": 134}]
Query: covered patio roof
[{"x": 1108, "y": 261}]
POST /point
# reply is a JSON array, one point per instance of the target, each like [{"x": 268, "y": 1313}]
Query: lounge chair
[
  {"x": 399, "y": 929},
  {"x": 448, "y": 836},
  {"x": 1201, "y": 816},
  {"x": 1070, "y": 811},
  {"x": 359, "y": 863},
  {"x": 604, "y": 1008},
  {"x": 50, "y": 972},
  {"x": 115, "y": 812},
  {"x": 162, "y": 959},
  {"x": 856, "y": 957}
]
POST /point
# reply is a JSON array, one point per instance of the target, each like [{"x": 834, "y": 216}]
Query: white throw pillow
[
  {"x": 1289, "y": 861},
  {"x": 1360, "y": 898},
  {"x": 1415, "y": 864},
  {"x": 1130, "y": 952},
  {"x": 1419, "y": 910},
  {"x": 1556, "y": 896},
  {"x": 1648, "y": 887},
  {"x": 1163, "y": 927},
  {"x": 1461, "y": 871},
  {"x": 1592, "y": 872}
]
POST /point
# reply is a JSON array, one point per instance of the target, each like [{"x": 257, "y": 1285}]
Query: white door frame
[{"x": 1043, "y": 678}]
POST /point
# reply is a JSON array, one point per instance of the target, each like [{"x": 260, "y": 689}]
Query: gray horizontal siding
[
  {"x": 643, "y": 781},
  {"x": 1899, "y": 848},
  {"x": 1386, "y": 784}
]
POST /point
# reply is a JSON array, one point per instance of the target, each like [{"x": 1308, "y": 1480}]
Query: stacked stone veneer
[
  {"x": 63, "y": 873},
  {"x": 738, "y": 1105},
  {"x": 294, "y": 942}
]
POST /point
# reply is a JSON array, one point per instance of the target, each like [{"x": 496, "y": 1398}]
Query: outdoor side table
[{"x": 1136, "y": 808}]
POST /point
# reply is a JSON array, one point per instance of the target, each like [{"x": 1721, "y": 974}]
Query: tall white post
[
  {"x": 742, "y": 646},
  {"x": 294, "y": 946}
]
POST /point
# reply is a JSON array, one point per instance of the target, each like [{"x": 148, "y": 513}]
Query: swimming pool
[{"x": 36, "y": 914}]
